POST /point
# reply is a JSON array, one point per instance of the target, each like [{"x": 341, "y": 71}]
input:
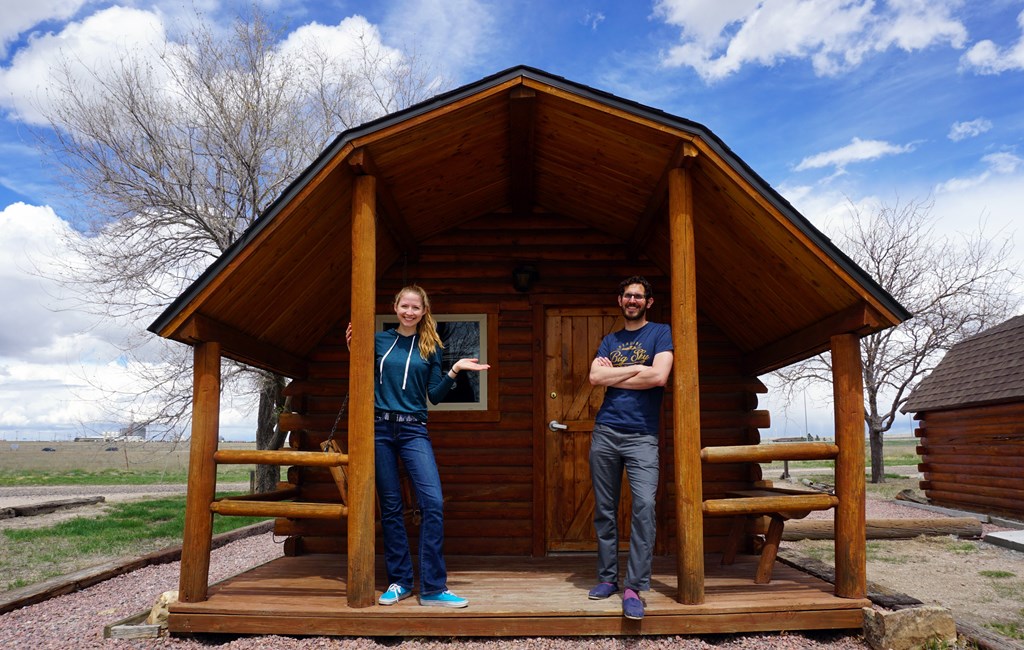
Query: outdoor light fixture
[{"x": 523, "y": 277}]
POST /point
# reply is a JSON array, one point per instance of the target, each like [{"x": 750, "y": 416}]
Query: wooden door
[{"x": 571, "y": 337}]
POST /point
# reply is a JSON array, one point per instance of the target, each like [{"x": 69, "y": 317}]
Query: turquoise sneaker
[
  {"x": 443, "y": 599},
  {"x": 395, "y": 593}
]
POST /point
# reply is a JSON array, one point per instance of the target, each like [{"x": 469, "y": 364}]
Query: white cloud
[
  {"x": 719, "y": 38},
  {"x": 456, "y": 32},
  {"x": 342, "y": 40},
  {"x": 857, "y": 151},
  {"x": 60, "y": 368},
  {"x": 49, "y": 356},
  {"x": 996, "y": 164},
  {"x": 592, "y": 19},
  {"x": 30, "y": 325},
  {"x": 985, "y": 57},
  {"x": 963, "y": 130},
  {"x": 98, "y": 42},
  {"x": 19, "y": 17}
]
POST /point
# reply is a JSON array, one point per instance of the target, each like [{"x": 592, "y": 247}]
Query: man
[{"x": 633, "y": 364}]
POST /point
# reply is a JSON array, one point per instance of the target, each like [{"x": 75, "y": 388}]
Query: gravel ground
[{"x": 77, "y": 620}]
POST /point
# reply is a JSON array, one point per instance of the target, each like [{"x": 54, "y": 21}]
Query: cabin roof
[
  {"x": 987, "y": 368},
  {"x": 525, "y": 142}
]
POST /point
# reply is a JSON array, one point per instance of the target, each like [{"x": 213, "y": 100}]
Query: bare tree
[
  {"x": 953, "y": 289},
  {"x": 169, "y": 156}
]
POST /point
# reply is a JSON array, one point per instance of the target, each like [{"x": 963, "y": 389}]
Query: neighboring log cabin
[
  {"x": 519, "y": 202},
  {"x": 971, "y": 413}
]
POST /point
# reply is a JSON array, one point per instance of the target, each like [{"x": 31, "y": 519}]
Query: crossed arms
[{"x": 639, "y": 377}]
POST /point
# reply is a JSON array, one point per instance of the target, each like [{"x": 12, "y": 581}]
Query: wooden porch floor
[{"x": 514, "y": 596}]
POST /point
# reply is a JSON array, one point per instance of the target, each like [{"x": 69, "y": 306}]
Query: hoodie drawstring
[{"x": 405, "y": 377}]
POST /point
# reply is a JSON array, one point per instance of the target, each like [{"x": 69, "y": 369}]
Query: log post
[
  {"x": 197, "y": 538},
  {"x": 685, "y": 392},
  {"x": 360, "y": 410},
  {"x": 848, "y": 392}
]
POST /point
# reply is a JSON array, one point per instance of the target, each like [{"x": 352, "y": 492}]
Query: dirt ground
[{"x": 979, "y": 582}]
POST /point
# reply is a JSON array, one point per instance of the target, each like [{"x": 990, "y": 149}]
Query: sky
[{"x": 832, "y": 102}]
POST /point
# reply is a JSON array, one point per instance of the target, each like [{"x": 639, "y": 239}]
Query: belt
[{"x": 392, "y": 416}]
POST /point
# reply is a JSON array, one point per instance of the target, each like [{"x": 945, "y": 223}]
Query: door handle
[{"x": 555, "y": 425}]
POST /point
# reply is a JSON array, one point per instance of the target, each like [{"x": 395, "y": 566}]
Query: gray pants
[{"x": 610, "y": 453}]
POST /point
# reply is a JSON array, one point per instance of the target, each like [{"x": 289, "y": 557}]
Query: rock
[
  {"x": 158, "y": 615},
  {"x": 913, "y": 628}
]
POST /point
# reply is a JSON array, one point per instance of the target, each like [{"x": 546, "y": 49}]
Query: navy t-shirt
[{"x": 627, "y": 410}]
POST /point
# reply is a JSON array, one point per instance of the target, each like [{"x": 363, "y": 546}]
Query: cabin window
[{"x": 463, "y": 335}]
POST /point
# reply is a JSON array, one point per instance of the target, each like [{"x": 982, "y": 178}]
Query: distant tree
[
  {"x": 953, "y": 289},
  {"x": 169, "y": 156}
]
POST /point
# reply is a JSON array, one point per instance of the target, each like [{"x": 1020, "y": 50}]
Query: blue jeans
[
  {"x": 611, "y": 452},
  {"x": 409, "y": 442}
]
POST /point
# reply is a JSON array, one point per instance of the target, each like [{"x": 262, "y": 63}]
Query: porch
[{"x": 515, "y": 596}]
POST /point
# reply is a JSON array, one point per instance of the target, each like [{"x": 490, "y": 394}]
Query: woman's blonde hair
[{"x": 426, "y": 330}]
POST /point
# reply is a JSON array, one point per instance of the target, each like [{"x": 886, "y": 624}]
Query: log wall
[
  {"x": 486, "y": 460},
  {"x": 972, "y": 458}
]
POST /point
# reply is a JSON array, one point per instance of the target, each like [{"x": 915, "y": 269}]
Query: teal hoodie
[{"x": 403, "y": 379}]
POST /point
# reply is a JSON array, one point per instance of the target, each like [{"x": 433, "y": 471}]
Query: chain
[{"x": 334, "y": 428}]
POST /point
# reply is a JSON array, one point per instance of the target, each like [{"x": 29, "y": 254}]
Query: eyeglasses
[{"x": 634, "y": 296}]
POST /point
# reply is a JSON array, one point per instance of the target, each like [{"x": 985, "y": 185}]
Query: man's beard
[{"x": 641, "y": 312}]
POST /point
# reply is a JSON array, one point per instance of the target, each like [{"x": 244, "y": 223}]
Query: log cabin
[
  {"x": 970, "y": 410},
  {"x": 519, "y": 202}
]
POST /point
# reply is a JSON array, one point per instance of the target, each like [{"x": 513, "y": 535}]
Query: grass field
[
  {"x": 899, "y": 455},
  {"x": 123, "y": 529},
  {"x": 100, "y": 463}
]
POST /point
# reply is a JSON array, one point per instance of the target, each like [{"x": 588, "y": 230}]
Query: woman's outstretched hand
[
  {"x": 469, "y": 364},
  {"x": 348, "y": 337}
]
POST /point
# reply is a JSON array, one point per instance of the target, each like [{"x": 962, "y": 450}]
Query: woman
[{"x": 407, "y": 371}]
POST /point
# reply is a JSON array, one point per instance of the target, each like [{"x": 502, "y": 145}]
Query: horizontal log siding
[
  {"x": 971, "y": 458},
  {"x": 486, "y": 465}
]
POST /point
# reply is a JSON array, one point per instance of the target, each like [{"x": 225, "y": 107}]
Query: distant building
[
  {"x": 970, "y": 411},
  {"x": 131, "y": 433}
]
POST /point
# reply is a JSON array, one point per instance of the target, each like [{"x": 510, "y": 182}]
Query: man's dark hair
[{"x": 637, "y": 279}]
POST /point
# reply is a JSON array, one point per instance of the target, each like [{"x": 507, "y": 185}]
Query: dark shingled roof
[{"x": 986, "y": 368}]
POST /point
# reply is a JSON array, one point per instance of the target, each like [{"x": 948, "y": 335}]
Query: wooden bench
[
  {"x": 778, "y": 504},
  {"x": 276, "y": 504}
]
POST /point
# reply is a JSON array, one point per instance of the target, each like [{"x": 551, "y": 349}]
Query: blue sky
[{"x": 831, "y": 101}]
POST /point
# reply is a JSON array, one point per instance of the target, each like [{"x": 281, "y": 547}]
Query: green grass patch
[
  {"x": 882, "y": 552},
  {"x": 962, "y": 548},
  {"x": 1012, "y": 630},
  {"x": 123, "y": 525},
  {"x": 32, "y": 477},
  {"x": 820, "y": 550},
  {"x": 997, "y": 574},
  {"x": 124, "y": 529}
]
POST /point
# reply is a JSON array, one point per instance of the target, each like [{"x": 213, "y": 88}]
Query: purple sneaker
[
  {"x": 602, "y": 590},
  {"x": 632, "y": 606}
]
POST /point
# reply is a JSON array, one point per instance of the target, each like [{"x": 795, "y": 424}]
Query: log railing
[
  {"x": 273, "y": 504},
  {"x": 779, "y": 504}
]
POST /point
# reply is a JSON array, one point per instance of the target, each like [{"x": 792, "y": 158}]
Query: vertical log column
[
  {"x": 685, "y": 392},
  {"x": 202, "y": 474},
  {"x": 850, "y": 538},
  {"x": 360, "y": 412}
]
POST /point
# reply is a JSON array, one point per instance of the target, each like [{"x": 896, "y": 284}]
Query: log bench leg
[
  {"x": 732, "y": 543},
  {"x": 769, "y": 550}
]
